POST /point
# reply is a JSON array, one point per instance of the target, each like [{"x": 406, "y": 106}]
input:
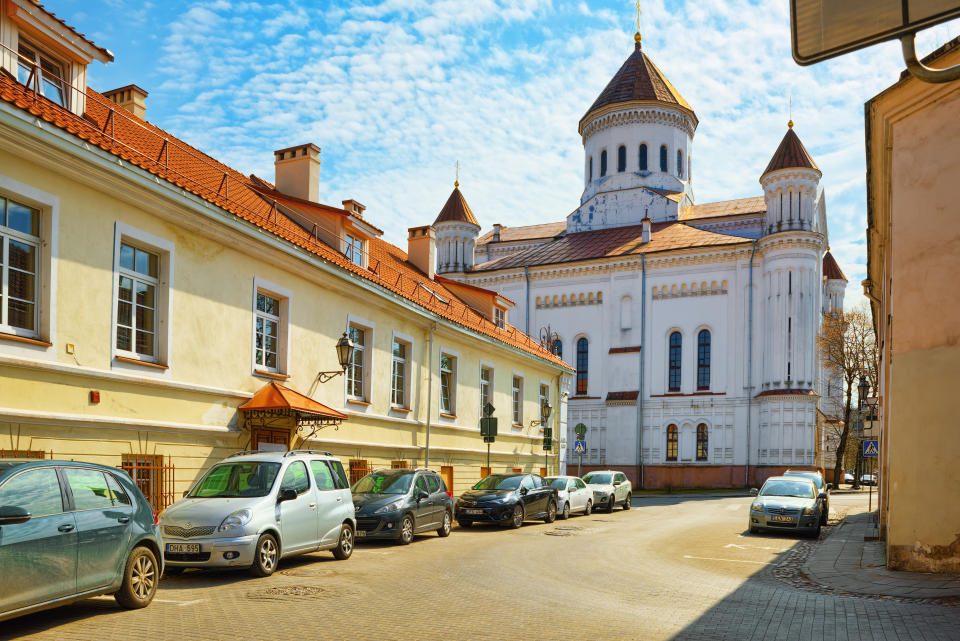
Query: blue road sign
[
  {"x": 871, "y": 449},
  {"x": 579, "y": 447}
]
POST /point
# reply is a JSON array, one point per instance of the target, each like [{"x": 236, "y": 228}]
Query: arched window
[
  {"x": 702, "y": 442},
  {"x": 603, "y": 163},
  {"x": 590, "y": 169},
  {"x": 643, "y": 157},
  {"x": 703, "y": 359},
  {"x": 582, "y": 352},
  {"x": 558, "y": 347},
  {"x": 676, "y": 352},
  {"x": 673, "y": 440},
  {"x": 663, "y": 158},
  {"x": 679, "y": 164},
  {"x": 621, "y": 159}
]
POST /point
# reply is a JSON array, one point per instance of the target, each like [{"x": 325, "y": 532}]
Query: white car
[
  {"x": 609, "y": 488},
  {"x": 573, "y": 495}
]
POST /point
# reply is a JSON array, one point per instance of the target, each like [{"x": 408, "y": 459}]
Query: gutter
[
  {"x": 643, "y": 348},
  {"x": 746, "y": 468},
  {"x": 526, "y": 316},
  {"x": 426, "y": 451}
]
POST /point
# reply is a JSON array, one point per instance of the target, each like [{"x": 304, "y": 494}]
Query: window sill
[
  {"x": 446, "y": 415},
  {"x": 358, "y": 401},
  {"x": 274, "y": 375},
  {"x": 24, "y": 339},
  {"x": 517, "y": 426},
  {"x": 134, "y": 361},
  {"x": 397, "y": 408}
]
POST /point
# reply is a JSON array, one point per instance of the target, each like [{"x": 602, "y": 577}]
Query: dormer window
[
  {"x": 354, "y": 250},
  {"x": 52, "y": 81},
  {"x": 500, "y": 318}
]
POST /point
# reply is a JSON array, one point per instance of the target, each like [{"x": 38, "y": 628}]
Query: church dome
[{"x": 791, "y": 154}]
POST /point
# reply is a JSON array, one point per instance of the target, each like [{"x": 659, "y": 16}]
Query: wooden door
[
  {"x": 484, "y": 472},
  {"x": 273, "y": 440},
  {"x": 446, "y": 473}
]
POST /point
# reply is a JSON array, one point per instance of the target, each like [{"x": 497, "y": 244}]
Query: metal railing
[{"x": 26, "y": 454}]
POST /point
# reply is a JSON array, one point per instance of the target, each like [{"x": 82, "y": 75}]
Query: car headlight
[
  {"x": 392, "y": 506},
  {"x": 757, "y": 507},
  {"x": 236, "y": 520},
  {"x": 807, "y": 511}
]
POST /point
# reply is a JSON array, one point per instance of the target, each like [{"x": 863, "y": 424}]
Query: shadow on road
[{"x": 678, "y": 499}]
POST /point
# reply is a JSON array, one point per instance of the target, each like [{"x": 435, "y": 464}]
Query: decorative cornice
[
  {"x": 590, "y": 298},
  {"x": 701, "y": 289},
  {"x": 637, "y": 112}
]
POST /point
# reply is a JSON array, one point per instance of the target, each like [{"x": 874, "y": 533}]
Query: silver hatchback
[{"x": 254, "y": 508}]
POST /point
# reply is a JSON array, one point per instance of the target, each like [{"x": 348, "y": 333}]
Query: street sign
[
  {"x": 580, "y": 430},
  {"x": 488, "y": 428},
  {"x": 547, "y": 444},
  {"x": 579, "y": 447},
  {"x": 488, "y": 409},
  {"x": 871, "y": 449}
]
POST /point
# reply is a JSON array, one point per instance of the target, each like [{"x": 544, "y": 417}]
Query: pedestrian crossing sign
[
  {"x": 871, "y": 448},
  {"x": 579, "y": 447}
]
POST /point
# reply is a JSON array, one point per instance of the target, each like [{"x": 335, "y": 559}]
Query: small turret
[
  {"x": 790, "y": 184},
  {"x": 457, "y": 231}
]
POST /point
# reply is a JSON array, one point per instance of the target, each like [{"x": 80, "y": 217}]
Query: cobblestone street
[{"x": 674, "y": 567}]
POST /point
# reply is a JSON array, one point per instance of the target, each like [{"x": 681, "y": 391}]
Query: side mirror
[
  {"x": 288, "y": 494},
  {"x": 829, "y": 486},
  {"x": 822, "y": 495},
  {"x": 615, "y": 483},
  {"x": 753, "y": 491},
  {"x": 523, "y": 491},
  {"x": 11, "y": 515},
  {"x": 422, "y": 495}
]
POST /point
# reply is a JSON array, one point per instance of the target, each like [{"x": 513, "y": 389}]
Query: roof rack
[
  {"x": 245, "y": 452},
  {"x": 292, "y": 452}
]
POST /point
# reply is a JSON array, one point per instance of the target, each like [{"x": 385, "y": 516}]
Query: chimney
[
  {"x": 132, "y": 98},
  {"x": 496, "y": 232},
  {"x": 422, "y": 249},
  {"x": 645, "y": 234},
  {"x": 297, "y": 171},
  {"x": 354, "y": 207}
]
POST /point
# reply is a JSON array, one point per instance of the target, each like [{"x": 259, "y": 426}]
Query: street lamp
[
  {"x": 545, "y": 411},
  {"x": 345, "y": 349}
]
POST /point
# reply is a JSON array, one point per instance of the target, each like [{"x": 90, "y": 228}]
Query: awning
[{"x": 274, "y": 399}]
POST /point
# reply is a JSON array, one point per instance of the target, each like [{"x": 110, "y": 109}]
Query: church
[{"x": 692, "y": 326}]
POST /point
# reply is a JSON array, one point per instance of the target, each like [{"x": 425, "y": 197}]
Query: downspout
[
  {"x": 526, "y": 279},
  {"x": 426, "y": 453},
  {"x": 746, "y": 469},
  {"x": 643, "y": 348}
]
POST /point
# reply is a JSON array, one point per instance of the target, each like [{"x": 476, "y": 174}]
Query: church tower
[{"x": 457, "y": 232}]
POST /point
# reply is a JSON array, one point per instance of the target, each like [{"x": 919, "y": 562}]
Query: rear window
[{"x": 434, "y": 483}]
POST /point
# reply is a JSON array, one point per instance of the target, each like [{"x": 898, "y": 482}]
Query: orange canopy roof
[{"x": 274, "y": 396}]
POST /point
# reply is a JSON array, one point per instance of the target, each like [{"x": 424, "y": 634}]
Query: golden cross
[
  {"x": 638, "y": 16},
  {"x": 456, "y": 183}
]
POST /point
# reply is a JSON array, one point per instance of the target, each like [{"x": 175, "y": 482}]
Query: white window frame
[
  {"x": 350, "y": 242},
  {"x": 8, "y": 234},
  {"x": 366, "y": 351},
  {"x": 454, "y": 357},
  {"x": 164, "y": 249},
  {"x": 285, "y": 296},
  {"x": 407, "y": 342},
  {"x": 490, "y": 385},
  {"x": 500, "y": 317},
  {"x": 516, "y": 404},
  {"x": 544, "y": 385},
  {"x": 41, "y": 54}
]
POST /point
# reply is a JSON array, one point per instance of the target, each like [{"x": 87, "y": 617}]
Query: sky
[{"x": 395, "y": 92}]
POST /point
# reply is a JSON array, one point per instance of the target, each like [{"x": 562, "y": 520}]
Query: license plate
[
  {"x": 473, "y": 511},
  {"x": 183, "y": 548},
  {"x": 785, "y": 519},
  {"x": 361, "y": 534}
]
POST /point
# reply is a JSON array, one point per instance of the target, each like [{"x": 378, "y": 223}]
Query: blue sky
[{"x": 396, "y": 91}]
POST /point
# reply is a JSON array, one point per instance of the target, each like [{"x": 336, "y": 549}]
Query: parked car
[
  {"x": 848, "y": 478},
  {"x": 817, "y": 478},
  {"x": 507, "y": 499},
  {"x": 573, "y": 495},
  {"x": 609, "y": 488},
  {"x": 787, "y": 503},
  {"x": 254, "y": 508},
  {"x": 70, "y": 531},
  {"x": 868, "y": 479},
  {"x": 396, "y": 504}
]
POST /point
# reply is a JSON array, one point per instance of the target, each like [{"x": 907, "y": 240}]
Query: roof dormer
[{"x": 485, "y": 302}]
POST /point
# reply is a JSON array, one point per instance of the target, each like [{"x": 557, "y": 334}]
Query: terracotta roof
[
  {"x": 608, "y": 243},
  {"x": 622, "y": 396},
  {"x": 456, "y": 210},
  {"x": 638, "y": 80},
  {"x": 527, "y": 232},
  {"x": 831, "y": 270},
  {"x": 105, "y": 52},
  {"x": 116, "y": 131},
  {"x": 787, "y": 392},
  {"x": 737, "y": 207},
  {"x": 274, "y": 396},
  {"x": 790, "y": 154}
]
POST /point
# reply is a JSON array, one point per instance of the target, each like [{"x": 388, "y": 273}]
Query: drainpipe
[
  {"x": 746, "y": 469},
  {"x": 426, "y": 454},
  {"x": 643, "y": 348},
  {"x": 526, "y": 279}
]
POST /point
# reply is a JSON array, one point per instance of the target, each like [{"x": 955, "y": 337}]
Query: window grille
[
  {"x": 153, "y": 475},
  {"x": 358, "y": 469}
]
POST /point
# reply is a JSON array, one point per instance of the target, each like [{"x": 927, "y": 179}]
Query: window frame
[
  {"x": 582, "y": 389},
  {"x": 589, "y": 169},
  {"x": 603, "y": 163},
  {"x": 621, "y": 159},
  {"x": 674, "y": 361},
  {"x": 672, "y": 450},
  {"x": 664, "y": 159},
  {"x": 679, "y": 163},
  {"x": 704, "y": 349},
  {"x": 284, "y": 296},
  {"x": 352, "y": 243},
  {"x": 516, "y": 400},
  {"x": 500, "y": 317},
  {"x": 703, "y": 443},
  {"x": 407, "y": 343},
  {"x": 452, "y": 358},
  {"x": 642, "y": 158},
  {"x": 8, "y": 234},
  {"x": 543, "y": 394},
  {"x": 42, "y": 55},
  {"x": 489, "y": 386},
  {"x": 365, "y": 352}
]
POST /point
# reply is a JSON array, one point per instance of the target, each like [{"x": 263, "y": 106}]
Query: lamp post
[
  {"x": 862, "y": 390},
  {"x": 545, "y": 410},
  {"x": 344, "y": 349}
]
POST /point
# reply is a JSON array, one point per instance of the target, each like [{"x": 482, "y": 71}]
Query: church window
[
  {"x": 676, "y": 348},
  {"x": 621, "y": 159},
  {"x": 663, "y": 158},
  {"x": 603, "y": 163},
  {"x": 702, "y": 442},
  {"x": 643, "y": 157},
  {"x": 583, "y": 348},
  {"x": 689, "y": 169},
  {"x": 590, "y": 169},
  {"x": 673, "y": 441},
  {"x": 679, "y": 163},
  {"x": 703, "y": 360}
]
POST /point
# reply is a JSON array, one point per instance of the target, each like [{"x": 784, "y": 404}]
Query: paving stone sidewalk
[{"x": 845, "y": 561}]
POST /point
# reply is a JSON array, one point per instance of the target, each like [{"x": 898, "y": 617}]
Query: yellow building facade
[{"x": 150, "y": 291}]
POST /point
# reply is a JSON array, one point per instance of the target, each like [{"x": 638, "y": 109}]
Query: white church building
[{"x": 692, "y": 326}]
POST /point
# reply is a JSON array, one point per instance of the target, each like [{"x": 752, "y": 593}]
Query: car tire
[
  {"x": 345, "y": 543},
  {"x": 626, "y": 503},
  {"x": 611, "y": 502},
  {"x": 445, "y": 525},
  {"x": 516, "y": 520},
  {"x": 565, "y": 514},
  {"x": 824, "y": 516},
  {"x": 265, "y": 556},
  {"x": 589, "y": 509},
  {"x": 173, "y": 570},
  {"x": 816, "y": 533},
  {"x": 754, "y": 530},
  {"x": 141, "y": 575},
  {"x": 551, "y": 513},
  {"x": 464, "y": 522},
  {"x": 406, "y": 530}
]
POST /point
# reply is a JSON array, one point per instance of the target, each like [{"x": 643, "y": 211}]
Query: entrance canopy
[{"x": 274, "y": 400}]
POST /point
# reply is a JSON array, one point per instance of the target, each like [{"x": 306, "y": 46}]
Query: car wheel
[
  {"x": 265, "y": 556},
  {"x": 816, "y": 533},
  {"x": 566, "y": 511},
  {"x": 611, "y": 502},
  {"x": 406, "y": 530},
  {"x": 589, "y": 509},
  {"x": 464, "y": 522},
  {"x": 345, "y": 545},
  {"x": 823, "y": 515},
  {"x": 140, "y": 578},
  {"x": 517, "y": 519},
  {"x": 173, "y": 570},
  {"x": 445, "y": 525},
  {"x": 551, "y": 513},
  {"x": 626, "y": 504},
  {"x": 754, "y": 530}
]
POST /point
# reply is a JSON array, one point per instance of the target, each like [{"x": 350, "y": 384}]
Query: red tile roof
[
  {"x": 736, "y": 207},
  {"x": 527, "y": 232},
  {"x": 831, "y": 270},
  {"x": 456, "y": 210},
  {"x": 90, "y": 42},
  {"x": 274, "y": 396},
  {"x": 115, "y": 130},
  {"x": 791, "y": 154}
]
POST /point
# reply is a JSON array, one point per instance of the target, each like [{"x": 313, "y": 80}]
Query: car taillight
[
  {"x": 450, "y": 493},
  {"x": 156, "y": 520}
]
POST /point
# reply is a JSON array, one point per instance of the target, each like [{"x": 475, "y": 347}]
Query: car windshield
[
  {"x": 499, "y": 482},
  {"x": 384, "y": 483},
  {"x": 813, "y": 476},
  {"x": 230, "y": 480},
  {"x": 598, "y": 479},
  {"x": 783, "y": 487},
  {"x": 558, "y": 483}
]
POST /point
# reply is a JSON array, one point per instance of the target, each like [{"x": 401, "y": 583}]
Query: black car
[
  {"x": 507, "y": 499},
  {"x": 822, "y": 488},
  {"x": 398, "y": 503}
]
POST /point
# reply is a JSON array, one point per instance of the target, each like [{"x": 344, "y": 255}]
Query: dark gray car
[{"x": 399, "y": 503}]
